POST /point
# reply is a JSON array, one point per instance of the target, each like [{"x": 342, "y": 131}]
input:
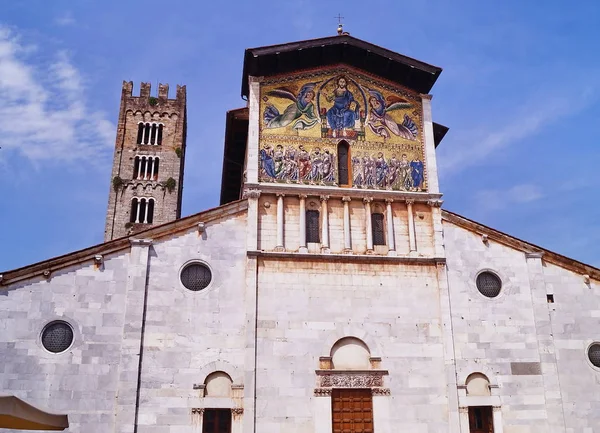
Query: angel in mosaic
[
  {"x": 300, "y": 113},
  {"x": 380, "y": 120}
]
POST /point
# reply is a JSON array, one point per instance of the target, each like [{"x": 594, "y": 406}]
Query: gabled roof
[
  {"x": 520, "y": 245},
  {"x": 154, "y": 233},
  {"x": 283, "y": 58}
]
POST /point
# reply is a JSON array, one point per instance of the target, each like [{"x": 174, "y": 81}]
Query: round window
[
  {"x": 489, "y": 284},
  {"x": 57, "y": 336},
  {"x": 594, "y": 354},
  {"x": 196, "y": 276}
]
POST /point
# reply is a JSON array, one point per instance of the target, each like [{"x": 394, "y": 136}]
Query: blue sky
[{"x": 520, "y": 92}]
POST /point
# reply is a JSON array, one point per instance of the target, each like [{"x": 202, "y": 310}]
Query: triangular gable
[{"x": 521, "y": 245}]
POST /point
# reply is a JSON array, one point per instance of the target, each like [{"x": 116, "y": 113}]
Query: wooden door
[
  {"x": 216, "y": 421},
  {"x": 352, "y": 410},
  {"x": 481, "y": 419}
]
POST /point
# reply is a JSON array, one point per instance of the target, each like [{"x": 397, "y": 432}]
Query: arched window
[
  {"x": 142, "y": 211},
  {"x": 134, "y": 209},
  {"x": 150, "y": 133},
  {"x": 377, "y": 227},
  {"x": 478, "y": 384},
  {"x": 140, "y": 134},
  {"x": 136, "y": 167},
  {"x": 160, "y": 133},
  {"x": 343, "y": 163},
  {"x": 145, "y": 167},
  {"x": 312, "y": 226},
  {"x": 147, "y": 133},
  {"x": 217, "y": 384},
  {"x": 350, "y": 353}
]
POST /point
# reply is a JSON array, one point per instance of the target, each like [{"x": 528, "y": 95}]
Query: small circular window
[
  {"x": 489, "y": 284},
  {"x": 57, "y": 336},
  {"x": 196, "y": 276},
  {"x": 594, "y": 354}
]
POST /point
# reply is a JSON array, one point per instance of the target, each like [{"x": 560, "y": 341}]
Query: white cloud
[
  {"x": 474, "y": 147},
  {"x": 496, "y": 199},
  {"x": 43, "y": 114},
  {"x": 66, "y": 19}
]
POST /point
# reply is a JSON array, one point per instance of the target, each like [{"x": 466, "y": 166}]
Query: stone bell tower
[{"x": 147, "y": 176}]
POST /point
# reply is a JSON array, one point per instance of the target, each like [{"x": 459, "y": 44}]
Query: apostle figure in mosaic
[
  {"x": 404, "y": 180},
  {"x": 381, "y": 170},
  {"x": 316, "y": 160},
  {"x": 393, "y": 168},
  {"x": 304, "y": 164},
  {"x": 279, "y": 161},
  {"x": 357, "y": 170},
  {"x": 327, "y": 172},
  {"x": 266, "y": 161},
  {"x": 301, "y": 112},
  {"x": 344, "y": 112},
  {"x": 417, "y": 174}
]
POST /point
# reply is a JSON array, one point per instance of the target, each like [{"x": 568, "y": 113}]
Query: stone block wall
[
  {"x": 82, "y": 382},
  {"x": 304, "y": 307},
  {"x": 188, "y": 334},
  {"x": 171, "y": 153},
  {"x": 533, "y": 352}
]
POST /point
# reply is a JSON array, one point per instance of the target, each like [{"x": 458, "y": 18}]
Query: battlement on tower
[{"x": 146, "y": 94}]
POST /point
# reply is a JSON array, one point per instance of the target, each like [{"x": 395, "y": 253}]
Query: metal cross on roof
[{"x": 340, "y": 28}]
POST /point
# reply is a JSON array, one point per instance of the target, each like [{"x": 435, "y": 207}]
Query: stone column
[
  {"x": 368, "y": 224},
  {"x": 412, "y": 242},
  {"x": 279, "y": 246},
  {"x": 303, "y": 248},
  {"x": 324, "y": 224},
  {"x": 347, "y": 234},
  {"x": 390, "y": 225}
]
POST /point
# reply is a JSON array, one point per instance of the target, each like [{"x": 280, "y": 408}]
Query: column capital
[
  {"x": 410, "y": 201},
  {"x": 279, "y": 194},
  {"x": 426, "y": 96},
  {"x": 140, "y": 242},
  {"x": 367, "y": 200},
  {"x": 435, "y": 203},
  {"x": 346, "y": 199},
  {"x": 324, "y": 197},
  {"x": 389, "y": 200},
  {"x": 463, "y": 409},
  {"x": 534, "y": 255},
  {"x": 198, "y": 410},
  {"x": 302, "y": 196},
  {"x": 251, "y": 193}
]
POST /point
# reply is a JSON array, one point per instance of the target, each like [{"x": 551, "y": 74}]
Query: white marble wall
[{"x": 558, "y": 390}]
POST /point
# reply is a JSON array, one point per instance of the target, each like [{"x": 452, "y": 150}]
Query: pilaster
[
  {"x": 547, "y": 351},
  {"x": 132, "y": 345},
  {"x": 253, "y": 131}
]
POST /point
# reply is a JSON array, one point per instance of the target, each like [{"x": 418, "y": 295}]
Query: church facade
[{"x": 329, "y": 292}]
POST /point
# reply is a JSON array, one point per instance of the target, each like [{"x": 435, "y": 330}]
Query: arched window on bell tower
[{"x": 343, "y": 151}]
